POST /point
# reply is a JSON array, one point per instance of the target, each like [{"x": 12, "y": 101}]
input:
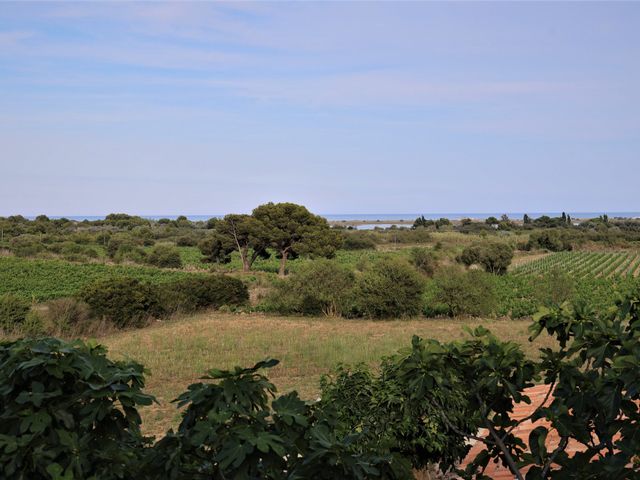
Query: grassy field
[{"x": 178, "y": 352}]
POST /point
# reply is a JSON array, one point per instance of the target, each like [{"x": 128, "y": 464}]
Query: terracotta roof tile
[{"x": 521, "y": 411}]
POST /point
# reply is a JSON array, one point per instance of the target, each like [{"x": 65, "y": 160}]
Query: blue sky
[{"x": 206, "y": 108}]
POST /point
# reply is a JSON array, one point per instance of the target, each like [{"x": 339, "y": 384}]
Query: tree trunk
[
  {"x": 244, "y": 256},
  {"x": 283, "y": 263},
  {"x": 246, "y": 267}
]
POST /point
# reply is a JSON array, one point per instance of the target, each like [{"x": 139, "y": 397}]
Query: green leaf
[{"x": 57, "y": 472}]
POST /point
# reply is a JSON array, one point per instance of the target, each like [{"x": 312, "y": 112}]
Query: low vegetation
[
  {"x": 110, "y": 277},
  {"x": 71, "y": 412},
  {"x": 605, "y": 264},
  {"x": 48, "y": 279},
  {"x": 376, "y": 274},
  {"x": 119, "y": 302}
]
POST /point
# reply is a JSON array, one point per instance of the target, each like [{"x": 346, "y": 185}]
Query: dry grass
[{"x": 179, "y": 351}]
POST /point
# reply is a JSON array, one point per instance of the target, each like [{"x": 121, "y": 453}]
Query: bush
[
  {"x": 26, "y": 246},
  {"x": 67, "y": 248},
  {"x": 128, "y": 252},
  {"x": 470, "y": 255},
  {"x": 13, "y": 311},
  {"x": 402, "y": 235},
  {"x": 33, "y": 325},
  {"x": 385, "y": 406},
  {"x": 234, "y": 427},
  {"x": 465, "y": 293},
  {"x": 555, "y": 288},
  {"x": 124, "y": 301},
  {"x": 493, "y": 257},
  {"x": 114, "y": 244},
  {"x": 187, "y": 241},
  {"x": 165, "y": 256},
  {"x": 76, "y": 249},
  {"x": 320, "y": 287},
  {"x": 553, "y": 240},
  {"x": 67, "y": 314},
  {"x": 68, "y": 412},
  {"x": 121, "y": 244},
  {"x": 73, "y": 252},
  {"x": 358, "y": 241},
  {"x": 193, "y": 293},
  {"x": 389, "y": 288},
  {"x": 424, "y": 261},
  {"x": 143, "y": 235},
  {"x": 75, "y": 257}
]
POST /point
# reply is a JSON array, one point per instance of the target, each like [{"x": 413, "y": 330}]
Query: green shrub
[
  {"x": 164, "y": 256},
  {"x": 69, "y": 248},
  {"x": 114, "y": 243},
  {"x": 143, "y": 235},
  {"x": 128, "y": 252},
  {"x": 75, "y": 257},
  {"x": 197, "y": 292},
  {"x": 470, "y": 255},
  {"x": 26, "y": 246},
  {"x": 358, "y": 241},
  {"x": 555, "y": 288},
  {"x": 33, "y": 325},
  {"x": 553, "y": 240},
  {"x": 494, "y": 257},
  {"x": 465, "y": 293},
  {"x": 279, "y": 300},
  {"x": 385, "y": 406},
  {"x": 523, "y": 308},
  {"x": 122, "y": 244},
  {"x": 73, "y": 252},
  {"x": 319, "y": 287},
  {"x": 389, "y": 288},
  {"x": 424, "y": 260},
  {"x": 235, "y": 427},
  {"x": 403, "y": 235},
  {"x": 124, "y": 301},
  {"x": 187, "y": 241},
  {"x": 83, "y": 238},
  {"x": 13, "y": 311},
  {"x": 68, "y": 412}
]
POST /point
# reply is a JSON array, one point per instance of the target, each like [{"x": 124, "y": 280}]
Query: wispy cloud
[
  {"x": 11, "y": 39},
  {"x": 292, "y": 97},
  {"x": 384, "y": 89}
]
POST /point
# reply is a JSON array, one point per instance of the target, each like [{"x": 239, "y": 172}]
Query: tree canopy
[
  {"x": 292, "y": 230},
  {"x": 242, "y": 233}
]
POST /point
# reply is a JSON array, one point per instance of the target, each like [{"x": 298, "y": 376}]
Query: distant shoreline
[{"x": 354, "y": 219}]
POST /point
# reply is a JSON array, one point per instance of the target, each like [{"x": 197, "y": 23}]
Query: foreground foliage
[
  {"x": 422, "y": 407},
  {"x": 68, "y": 412}
]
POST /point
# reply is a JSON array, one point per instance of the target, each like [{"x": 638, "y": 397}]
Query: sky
[{"x": 345, "y": 107}]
